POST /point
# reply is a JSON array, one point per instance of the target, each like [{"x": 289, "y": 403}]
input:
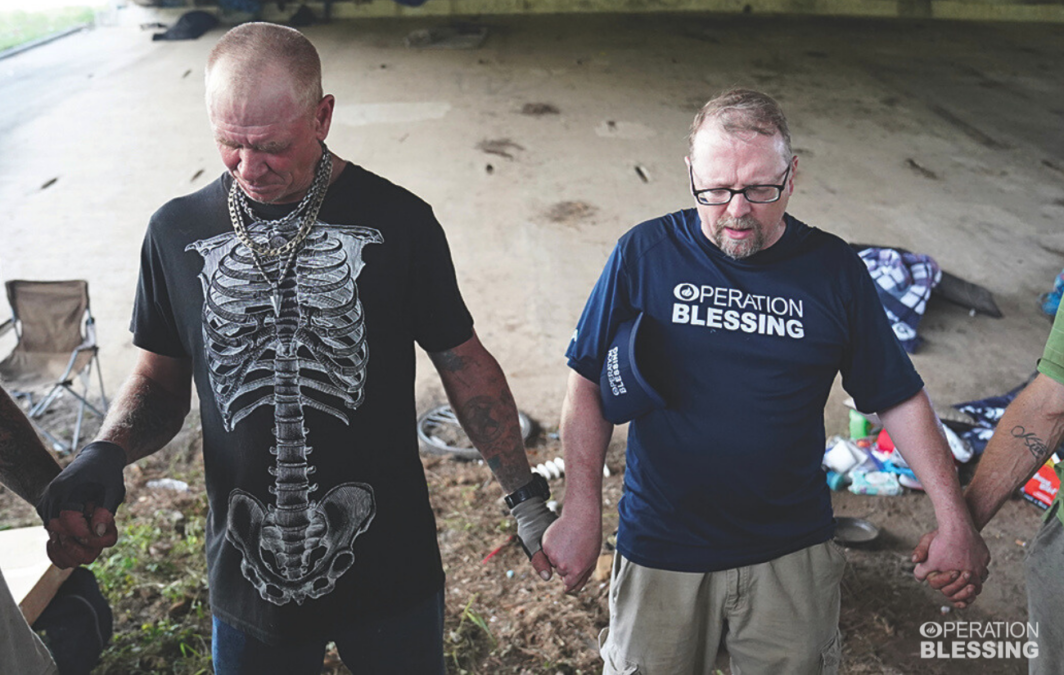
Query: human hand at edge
[
  {"x": 533, "y": 518},
  {"x": 573, "y": 544},
  {"x": 77, "y": 538},
  {"x": 78, "y": 506}
]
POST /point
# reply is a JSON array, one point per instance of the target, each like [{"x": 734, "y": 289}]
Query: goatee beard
[{"x": 743, "y": 248}]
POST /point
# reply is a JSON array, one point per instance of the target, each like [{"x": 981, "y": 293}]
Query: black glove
[
  {"x": 533, "y": 518},
  {"x": 95, "y": 476}
]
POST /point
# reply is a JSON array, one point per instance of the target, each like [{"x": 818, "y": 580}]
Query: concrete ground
[{"x": 939, "y": 137}]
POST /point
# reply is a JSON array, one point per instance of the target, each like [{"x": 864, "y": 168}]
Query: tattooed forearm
[
  {"x": 448, "y": 361},
  {"x": 143, "y": 418},
  {"x": 491, "y": 423},
  {"x": 1035, "y": 445},
  {"x": 26, "y": 467},
  {"x": 481, "y": 398}
]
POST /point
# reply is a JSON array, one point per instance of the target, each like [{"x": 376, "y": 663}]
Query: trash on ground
[
  {"x": 603, "y": 567},
  {"x": 456, "y": 36},
  {"x": 844, "y": 455},
  {"x": 854, "y": 530},
  {"x": 1043, "y": 486},
  {"x": 875, "y": 483},
  {"x": 168, "y": 484},
  {"x": 1050, "y": 302},
  {"x": 189, "y": 26},
  {"x": 551, "y": 469}
]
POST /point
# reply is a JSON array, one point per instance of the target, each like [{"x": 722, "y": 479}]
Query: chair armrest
[
  {"x": 6, "y": 327},
  {"x": 90, "y": 335}
]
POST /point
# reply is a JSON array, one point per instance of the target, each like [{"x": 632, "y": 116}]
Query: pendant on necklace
[{"x": 275, "y": 300}]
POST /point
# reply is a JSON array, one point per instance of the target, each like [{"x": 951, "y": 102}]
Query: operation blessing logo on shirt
[
  {"x": 613, "y": 372},
  {"x": 733, "y": 310}
]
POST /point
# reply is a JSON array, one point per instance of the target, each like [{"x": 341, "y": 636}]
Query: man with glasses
[{"x": 740, "y": 317}]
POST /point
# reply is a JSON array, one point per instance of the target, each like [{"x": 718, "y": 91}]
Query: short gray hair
[
  {"x": 743, "y": 110},
  {"x": 255, "y": 47}
]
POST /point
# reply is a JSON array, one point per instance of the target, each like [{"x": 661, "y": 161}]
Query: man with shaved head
[
  {"x": 292, "y": 290},
  {"x": 717, "y": 332}
]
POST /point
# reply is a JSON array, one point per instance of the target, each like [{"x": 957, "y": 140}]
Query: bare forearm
[
  {"x": 915, "y": 430},
  {"x": 143, "y": 417},
  {"x": 585, "y": 436},
  {"x": 26, "y": 467},
  {"x": 1032, "y": 426},
  {"x": 479, "y": 395}
]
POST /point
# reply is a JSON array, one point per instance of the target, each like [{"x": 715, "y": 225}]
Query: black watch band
[{"x": 537, "y": 487}]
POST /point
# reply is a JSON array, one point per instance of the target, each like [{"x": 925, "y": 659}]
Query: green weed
[
  {"x": 18, "y": 27},
  {"x": 465, "y": 643}
]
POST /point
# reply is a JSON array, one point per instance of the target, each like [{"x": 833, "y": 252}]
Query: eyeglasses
[{"x": 755, "y": 194}]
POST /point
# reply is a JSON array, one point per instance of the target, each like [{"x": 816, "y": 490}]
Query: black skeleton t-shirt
[{"x": 319, "y": 510}]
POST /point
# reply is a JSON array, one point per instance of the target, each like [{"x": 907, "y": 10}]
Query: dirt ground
[
  {"x": 537, "y": 151},
  {"x": 531, "y": 627}
]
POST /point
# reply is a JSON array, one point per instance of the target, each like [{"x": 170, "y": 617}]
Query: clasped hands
[
  {"x": 954, "y": 563},
  {"x": 78, "y": 506}
]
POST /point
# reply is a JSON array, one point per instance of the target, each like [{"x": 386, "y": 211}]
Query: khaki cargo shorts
[{"x": 778, "y": 617}]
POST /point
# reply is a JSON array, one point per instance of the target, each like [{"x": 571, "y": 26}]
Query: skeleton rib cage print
[{"x": 311, "y": 352}]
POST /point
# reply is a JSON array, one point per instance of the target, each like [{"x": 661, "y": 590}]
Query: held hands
[
  {"x": 78, "y": 506},
  {"x": 533, "y": 518},
  {"x": 953, "y": 563},
  {"x": 572, "y": 544}
]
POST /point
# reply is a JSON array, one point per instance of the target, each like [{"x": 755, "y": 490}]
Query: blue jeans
[{"x": 410, "y": 643}]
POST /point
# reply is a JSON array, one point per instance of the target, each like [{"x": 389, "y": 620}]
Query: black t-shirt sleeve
[
  {"x": 441, "y": 320},
  {"x": 876, "y": 371},
  {"x": 153, "y": 326}
]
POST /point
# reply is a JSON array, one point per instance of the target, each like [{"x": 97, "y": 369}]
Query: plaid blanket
[
  {"x": 904, "y": 282},
  {"x": 986, "y": 413}
]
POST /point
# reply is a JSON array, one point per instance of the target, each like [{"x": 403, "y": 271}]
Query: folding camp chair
[{"x": 56, "y": 344}]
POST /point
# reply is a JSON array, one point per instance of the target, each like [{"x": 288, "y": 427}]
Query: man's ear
[{"x": 323, "y": 115}]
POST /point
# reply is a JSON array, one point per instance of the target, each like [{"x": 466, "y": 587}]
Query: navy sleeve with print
[
  {"x": 745, "y": 353},
  {"x": 607, "y": 308}
]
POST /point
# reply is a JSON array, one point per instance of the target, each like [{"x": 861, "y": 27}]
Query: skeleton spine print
[{"x": 309, "y": 352}]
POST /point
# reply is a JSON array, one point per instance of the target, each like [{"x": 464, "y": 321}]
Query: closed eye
[{"x": 269, "y": 148}]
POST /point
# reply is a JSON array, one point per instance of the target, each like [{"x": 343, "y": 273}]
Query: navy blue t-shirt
[{"x": 744, "y": 353}]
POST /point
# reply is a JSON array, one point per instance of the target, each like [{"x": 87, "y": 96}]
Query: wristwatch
[{"x": 537, "y": 487}]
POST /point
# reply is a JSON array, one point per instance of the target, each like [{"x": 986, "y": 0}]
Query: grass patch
[
  {"x": 465, "y": 644},
  {"x": 20, "y": 26},
  {"x": 156, "y": 581}
]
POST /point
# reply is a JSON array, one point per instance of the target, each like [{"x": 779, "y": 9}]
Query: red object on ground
[
  {"x": 499, "y": 548},
  {"x": 1043, "y": 486},
  {"x": 883, "y": 441}
]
